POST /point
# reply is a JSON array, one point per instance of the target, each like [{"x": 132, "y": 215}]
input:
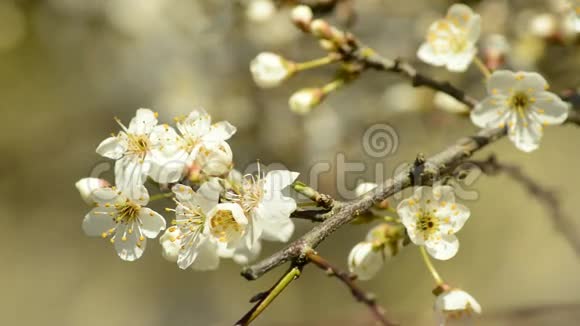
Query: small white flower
[
  {"x": 365, "y": 260},
  {"x": 305, "y": 99},
  {"x": 198, "y": 249},
  {"x": 520, "y": 101},
  {"x": 199, "y": 134},
  {"x": 169, "y": 244},
  {"x": 87, "y": 186},
  {"x": 217, "y": 162},
  {"x": 227, "y": 223},
  {"x": 270, "y": 70},
  {"x": 122, "y": 217},
  {"x": 367, "y": 257},
  {"x": 260, "y": 10},
  {"x": 455, "y": 304},
  {"x": 451, "y": 41},
  {"x": 432, "y": 218},
  {"x": 267, "y": 208},
  {"x": 135, "y": 149},
  {"x": 302, "y": 14}
]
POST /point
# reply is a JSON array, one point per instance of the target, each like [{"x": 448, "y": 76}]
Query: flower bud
[
  {"x": 217, "y": 161},
  {"x": 365, "y": 260},
  {"x": 455, "y": 304},
  {"x": 260, "y": 10},
  {"x": 87, "y": 186},
  {"x": 495, "y": 50},
  {"x": 305, "y": 99},
  {"x": 270, "y": 70},
  {"x": 170, "y": 244},
  {"x": 302, "y": 16}
]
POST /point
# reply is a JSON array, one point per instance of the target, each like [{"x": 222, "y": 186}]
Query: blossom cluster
[{"x": 218, "y": 212}]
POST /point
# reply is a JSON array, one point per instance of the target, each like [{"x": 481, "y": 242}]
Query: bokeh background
[{"x": 67, "y": 67}]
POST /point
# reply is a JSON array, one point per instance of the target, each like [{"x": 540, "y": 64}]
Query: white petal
[
  {"x": 474, "y": 29},
  {"x": 143, "y": 122},
  {"x": 455, "y": 214},
  {"x": 460, "y": 62},
  {"x": 132, "y": 248},
  {"x": 443, "y": 249},
  {"x": 98, "y": 221},
  {"x": 526, "y": 134},
  {"x": 219, "y": 132},
  {"x": 207, "y": 257},
  {"x": 364, "y": 261},
  {"x": 170, "y": 244},
  {"x": 273, "y": 216},
  {"x": 456, "y": 300},
  {"x": 490, "y": 113},
  {"x": 407, "y": 210},
  {"x": 104, "y": 195},
  {"x": 444, "y": 193},
  {"x": 151, "y": 222},
  {"x": 130, "y": 175},
  {"x": 111, "y": 148},
  {"x": 87, "y": 186},
  {"x": 500, "y": 82},
  {"x": 165, "y": 140},
  {"x": 427, "y": 54},
  {"x": 279, "y": 179},
  {"x": 550, "y": 109},
  {"x": 530, "y": 82},
  {"x": 167, "y": 169},
  {"x": 207, "y": 195},
  {"x": 196, "y": 124},
  {"x": 459, "y": 14}
]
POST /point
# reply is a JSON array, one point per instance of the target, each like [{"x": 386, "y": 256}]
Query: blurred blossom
[
  {"x": 136, "y": 17},
  {"x": 448, "y": 103},
  {"x": 260, "y": 10},
  {"x": 12, "y": 25},
  {"x": 543, "y": 25},
  {"x": 403, "y": 97},
  {"x": 495, "y": 50}
]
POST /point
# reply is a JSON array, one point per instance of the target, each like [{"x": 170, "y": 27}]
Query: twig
[
  {"x": 320, "y": 199},
  {"x": 491, "y": 166},
  {"x": 265, "y": 298},
  {"x": 422, "y": 172},
  {"x": 348, "y": 280}
]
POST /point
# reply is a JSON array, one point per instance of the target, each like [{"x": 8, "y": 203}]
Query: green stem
[
  {"x": 482, "y": 67},
  {"x": 430, "y": 266},
  {"x": 290, "y": 276},
  {"x": 160, "y": 196},
  {"x": 300, "y": 66},
  {"x": 333, "y": 85}
]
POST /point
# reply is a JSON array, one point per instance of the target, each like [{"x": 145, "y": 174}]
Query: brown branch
[
  {"x": 547, "y": 197},
  {"x": 421, "y": 172},
  {"x": 358, "y": 293}
]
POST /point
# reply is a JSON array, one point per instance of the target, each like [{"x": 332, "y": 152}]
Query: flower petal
[
  {"x": 428, "y": 55},
  {"x": 98, "y": 221},
  {"x": 151, "y": 222},
  {"x": 111, "y": 148},
  {"x": 459, "y": 14},
  {"x": 273, "y": 217},
  {"x": 277, "y": 180},
  {"x": 443, "y": 249},
  {"x": 500, "y": 82},
  {"x": 132, "y": 248},
  {"x": 550, "y": 109},
  {"x": 461, "y": 61},
  {"x": 530, "y": 82},
  {"x": 526, "y": 134},
  {"x": 207, "y": 257},
  {"x": 143, "y": 122},
  {"x": 490, "y": 113},
  {"x": 219, "y": 132}
]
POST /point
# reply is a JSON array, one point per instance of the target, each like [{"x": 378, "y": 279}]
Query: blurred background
[{"x": 67, "y": 67}]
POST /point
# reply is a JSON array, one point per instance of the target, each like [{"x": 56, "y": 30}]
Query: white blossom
[
  {"x": 451, "y": 40},
  {"x": 86, "y": 186},
  {"x": 365, "y": 260},
  {"x": 520, "y": 101},
  {"x": 260, "y": 10},
  {"x": 432, "y": 217},
  {"x": 137, "y": 148},
  {"x": 197, "y": 248},
  {"x": 367, "y": 257},
  {"x": 305, "y": 99},
  {"x": 216, "y": 162},
  {"x": 455, "y": 304},
  {"x": 267, "y": 208},
  {"x": 122, "y": 217},
  {"x": 199, "y": 135},
  {"x": 302, "y": 14},
  {"x": 270, "y": 70}
]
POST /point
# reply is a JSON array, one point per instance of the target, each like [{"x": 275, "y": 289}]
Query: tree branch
[{"x": 349, "y": 280}]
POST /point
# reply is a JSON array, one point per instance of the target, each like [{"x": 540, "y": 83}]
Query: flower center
[
  {"x": 427, "y": 224},
  {"x": 127, "y": 212},
  {"x": 519, "y": 101},
  {"x": 139, "y": 144},
  {"x": 224, "y": 226},
  {"x": 253, "y": 192}
]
